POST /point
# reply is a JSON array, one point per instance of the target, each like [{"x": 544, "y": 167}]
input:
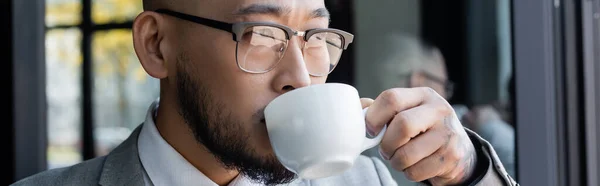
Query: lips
[{"x": 260, "y": 114}]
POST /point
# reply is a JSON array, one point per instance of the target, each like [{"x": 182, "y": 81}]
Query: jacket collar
[{"x": 122, "y": 166}]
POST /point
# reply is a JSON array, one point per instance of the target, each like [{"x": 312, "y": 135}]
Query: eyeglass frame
[{"x": 237, "y": 31}]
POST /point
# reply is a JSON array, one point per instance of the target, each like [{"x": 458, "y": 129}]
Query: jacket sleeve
[
  {"x": 489, "y": 171},
  {"x": 495, "y": 173},
  {"x": 385, "y": 177}
]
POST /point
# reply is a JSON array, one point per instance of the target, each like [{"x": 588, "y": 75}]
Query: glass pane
[
  {"x": 63, "y": 12},
  {"x": 63, "y": 91},
  {"x": 122, "y": 89},
  {"x": 117, "y": 11}
]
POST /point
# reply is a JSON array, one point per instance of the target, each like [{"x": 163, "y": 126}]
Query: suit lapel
[{"x": 122, "y": 166}]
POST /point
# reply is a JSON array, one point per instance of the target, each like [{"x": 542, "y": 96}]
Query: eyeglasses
[{"x": 260, "y": 46}]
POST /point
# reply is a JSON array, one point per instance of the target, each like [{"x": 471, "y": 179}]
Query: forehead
[{"x": 228, "y": 9}]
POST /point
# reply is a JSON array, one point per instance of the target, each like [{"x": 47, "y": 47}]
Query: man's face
[{"x": 222, "y": 104}]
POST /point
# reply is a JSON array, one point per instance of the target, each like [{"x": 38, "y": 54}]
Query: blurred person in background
[
  {"x": 494, "y": 123},
  {"x": 221, "y": 62},
  {"x": 419, "y": 64}
]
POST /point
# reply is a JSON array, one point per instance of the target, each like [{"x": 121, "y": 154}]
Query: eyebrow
[
  {"x": 320, "y": 13},
  {"x": 262, "y": 9},
  {"x": 271, "y": 9}
]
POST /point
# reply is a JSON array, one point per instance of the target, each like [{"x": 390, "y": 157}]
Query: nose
[{"x": 291, "y": 72}]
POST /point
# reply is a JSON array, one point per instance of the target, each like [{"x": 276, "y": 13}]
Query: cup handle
[{"x": 372, "y": 142}]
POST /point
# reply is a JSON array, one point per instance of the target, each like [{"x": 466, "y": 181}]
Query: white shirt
[{"x": 164, "y": 166}]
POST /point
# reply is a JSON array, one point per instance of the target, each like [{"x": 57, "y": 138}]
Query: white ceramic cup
[{"x": 319, "y": 130}]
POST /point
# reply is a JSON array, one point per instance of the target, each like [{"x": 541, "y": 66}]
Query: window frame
[
  {"x": 28, "y": 87},
  {"x": 590, "y": 9},
  {"x": 535, "y": 99},
  {"x": 556, "y": 92}
]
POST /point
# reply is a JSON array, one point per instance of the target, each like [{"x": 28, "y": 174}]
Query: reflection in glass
[
  {"x": 63, "y": 91},
  {"x": 122, "y": 89},
  {"x": 118, "y": 11},
  {"x": 63, "y": 12}
]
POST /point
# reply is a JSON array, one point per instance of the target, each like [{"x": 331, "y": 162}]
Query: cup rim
[{"x": 306, "y": 87}]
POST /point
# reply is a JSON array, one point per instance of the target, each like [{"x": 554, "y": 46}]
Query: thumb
[{"x": 366, "y": 102}]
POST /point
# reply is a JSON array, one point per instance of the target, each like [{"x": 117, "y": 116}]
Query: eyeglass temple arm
[{"x": 228, "y": 27}]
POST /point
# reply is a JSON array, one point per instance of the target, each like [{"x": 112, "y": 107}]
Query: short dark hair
[
  {"x": 146, "y": 4},
  {"x": 150, "y": 5}
]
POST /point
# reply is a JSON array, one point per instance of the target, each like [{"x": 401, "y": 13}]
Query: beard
[{"x": 214, "y": 127}]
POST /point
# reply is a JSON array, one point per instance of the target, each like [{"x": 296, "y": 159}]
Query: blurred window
[
  {"x": 97, "y": 90},
  {"x": 63, "y": 91}
]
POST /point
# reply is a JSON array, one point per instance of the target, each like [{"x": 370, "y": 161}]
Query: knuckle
[
  {"x": 428, "y": 91},
  {"x": 389, "y": 97},
  {"x": 445, "y": 110},
  {"x": 404, "y": 123},
  {"x": 454, "y": 155}
]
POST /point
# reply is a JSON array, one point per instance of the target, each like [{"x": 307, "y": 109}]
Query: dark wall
[
  {"x": 444, "y": 24},
  {"x": 483, "y": 56}
]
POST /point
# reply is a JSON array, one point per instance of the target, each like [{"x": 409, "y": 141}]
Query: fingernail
[{"x": 382, "y": 155}]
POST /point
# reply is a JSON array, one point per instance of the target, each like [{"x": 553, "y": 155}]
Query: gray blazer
[{"x": 122, "y": 166}]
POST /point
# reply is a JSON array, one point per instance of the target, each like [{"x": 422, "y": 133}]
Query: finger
[
  {"x": 366, "y": 102},
  {"x": 391, "y": 102},
  {"x": 425, "y": 169},
  {"x": 419, "y": 148},
  {"x": 440, "y": 162},
  {"x": 410, "y": 123}
]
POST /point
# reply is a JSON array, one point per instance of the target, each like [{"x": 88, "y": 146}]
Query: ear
[{"x": 147, "y": 37}]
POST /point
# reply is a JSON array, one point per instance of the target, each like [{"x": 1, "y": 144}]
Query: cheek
[
  {"x": 212, "y": 51},
  {"x": 214, "y": 65}
]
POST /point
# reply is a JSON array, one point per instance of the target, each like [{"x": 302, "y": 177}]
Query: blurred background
[{"x": 522, "y": 74}]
